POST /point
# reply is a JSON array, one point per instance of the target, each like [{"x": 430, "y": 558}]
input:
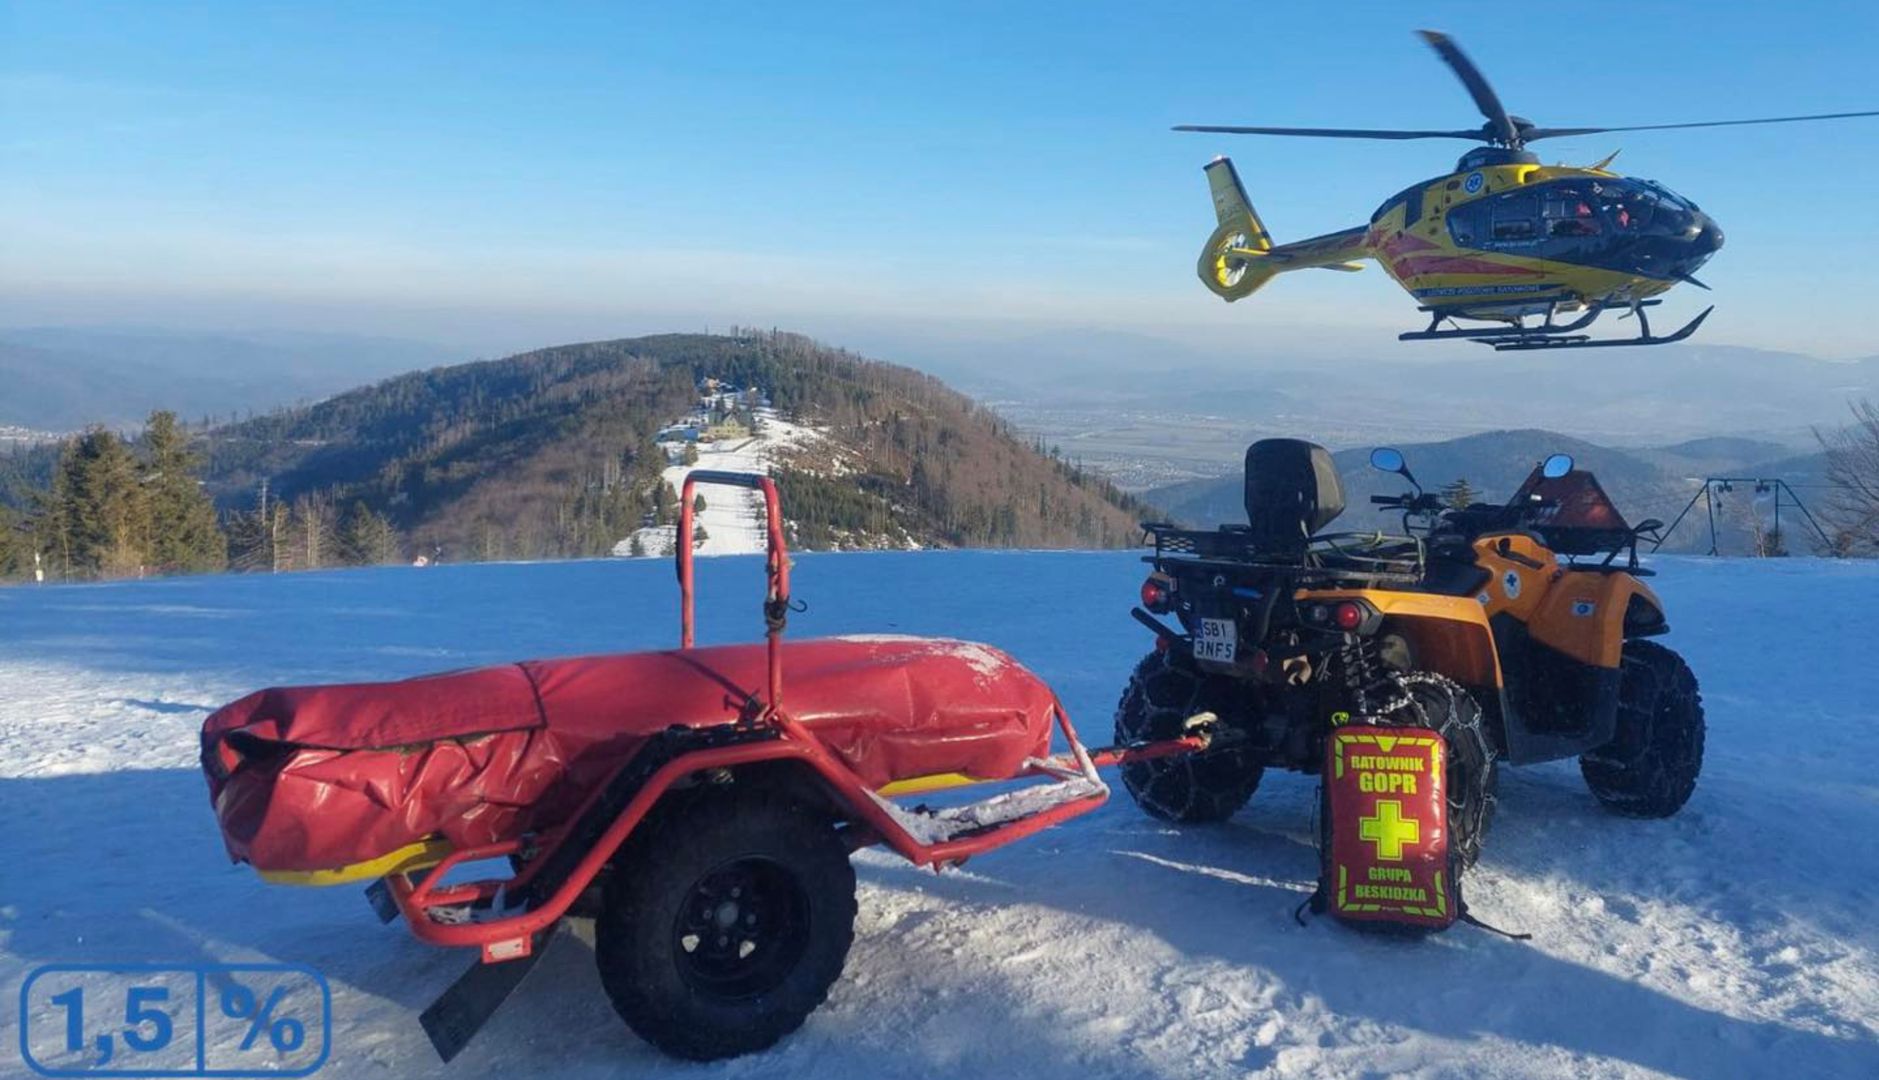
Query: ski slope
[
  {"x": 733, "y": 518},
  {"x": 1737, "y": 939}
]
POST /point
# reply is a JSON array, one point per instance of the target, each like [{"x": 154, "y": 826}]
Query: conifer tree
[
  {"x": 183, "y": 535},
  {"x": 96, "y": 515},
  {"x": 1460, "y": 494},
  {"x": 14, "y": 556},
  {"x": 368, "y": 539}
]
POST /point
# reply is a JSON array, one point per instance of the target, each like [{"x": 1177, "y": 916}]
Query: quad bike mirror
[
  {"x": 1556, "y": 466},
  {"x": 1389, "y": 459}
]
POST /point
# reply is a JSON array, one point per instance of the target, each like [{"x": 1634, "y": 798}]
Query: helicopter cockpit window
[
  {"x": 1632, "y": 210},
  {"x": 1571, "y": 211},
  {"x": 1669, "y": 197}
]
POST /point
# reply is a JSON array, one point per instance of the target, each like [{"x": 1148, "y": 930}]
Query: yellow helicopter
[{"x": 1503, "y": 239}]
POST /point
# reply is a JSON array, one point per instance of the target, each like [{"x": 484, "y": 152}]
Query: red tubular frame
[
  {"x": 776, "y": 600},
  {"x": 512, "y": 936}
]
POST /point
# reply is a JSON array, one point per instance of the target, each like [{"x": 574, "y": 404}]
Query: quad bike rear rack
[
  {"x": 1330, "y": 558},
  {"x": 507, "y": 919}
]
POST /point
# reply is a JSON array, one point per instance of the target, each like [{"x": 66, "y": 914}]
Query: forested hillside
[{"x": 551, "y": 453}]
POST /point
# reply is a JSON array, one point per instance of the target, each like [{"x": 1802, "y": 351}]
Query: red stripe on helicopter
[
  {"x": 1403, "y": 243},
  {"x": 1453, "y": 264}
]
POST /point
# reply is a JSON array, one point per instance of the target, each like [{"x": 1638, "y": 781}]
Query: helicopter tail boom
[{"x": 1240, "y": 256}]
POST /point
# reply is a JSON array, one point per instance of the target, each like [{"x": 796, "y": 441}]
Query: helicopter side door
[{"x": 1509, "y": 221}]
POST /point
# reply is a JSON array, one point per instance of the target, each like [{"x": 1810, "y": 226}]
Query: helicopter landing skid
[{"x": 1551, "y": 335}]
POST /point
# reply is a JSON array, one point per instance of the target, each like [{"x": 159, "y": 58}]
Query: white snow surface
[{"x": 1736, "y": 939}]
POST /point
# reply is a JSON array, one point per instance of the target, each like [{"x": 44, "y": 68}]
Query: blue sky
[{"x": 498, "y": 177}]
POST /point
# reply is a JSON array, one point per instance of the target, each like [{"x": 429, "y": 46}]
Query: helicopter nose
[{"x": 1708, "y": 239}]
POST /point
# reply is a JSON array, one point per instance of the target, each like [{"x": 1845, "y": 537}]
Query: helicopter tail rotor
[{"x": 1234, "y": 263}]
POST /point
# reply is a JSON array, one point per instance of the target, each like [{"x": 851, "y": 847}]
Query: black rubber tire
[
  {"x": 1649, "y": 769},
  {"x": 799, "y": 894},
  {"x": 1473, "y": 774},
  {"x": 1162, "y": 694}
]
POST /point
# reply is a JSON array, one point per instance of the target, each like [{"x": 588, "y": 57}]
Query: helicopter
[{"x": 1502, "y": 239}]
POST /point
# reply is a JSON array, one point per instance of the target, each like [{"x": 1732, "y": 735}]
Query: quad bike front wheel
[
  {"x": 1210, "y": 786},
  {"x": 724, "y": 925},
  {"x": 1649, "y": 768}
]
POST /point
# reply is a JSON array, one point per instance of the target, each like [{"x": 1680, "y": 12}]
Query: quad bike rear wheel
[
  {"x": 1445, "y": 706},
  {"x": 1649, "y": 768},
  {"x": 1163, "y": 693},
  {"x": 724, "y": 924}
]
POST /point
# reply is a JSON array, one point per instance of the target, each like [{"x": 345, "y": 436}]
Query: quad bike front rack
[{"x": 508, "y": 919}]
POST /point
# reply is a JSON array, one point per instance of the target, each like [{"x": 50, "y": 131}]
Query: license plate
[{"x": 1219, "y": 640}]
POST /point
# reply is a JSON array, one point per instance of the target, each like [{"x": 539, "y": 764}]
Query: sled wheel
[
  {"x": 1649, "y": 768},
  {"x": 724, "y": 926},
  {"x": 1188, "y": 788},
  {"x": 1472, "y": 775}
]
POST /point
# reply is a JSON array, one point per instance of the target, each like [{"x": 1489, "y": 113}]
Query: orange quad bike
[{"x": 1521, "y": 632}]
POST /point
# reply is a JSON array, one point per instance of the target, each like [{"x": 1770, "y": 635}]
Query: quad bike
[
  {"x": 1515, "y": 630},
  {"x": 674, "y": 797}
]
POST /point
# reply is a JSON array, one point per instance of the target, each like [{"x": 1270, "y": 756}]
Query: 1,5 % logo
[{"x": 146, "y": 1020}]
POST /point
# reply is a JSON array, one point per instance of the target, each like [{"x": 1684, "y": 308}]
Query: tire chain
[
  {"x": 1154, "y": 716},
  {"x": 1406, "y": 711}
]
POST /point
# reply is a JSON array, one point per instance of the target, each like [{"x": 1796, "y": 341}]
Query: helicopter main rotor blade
[
  {"x": 1333, "y": 133},
  {"x": 1499, "y": 123},
  {"x": 1559, "y": 133}
]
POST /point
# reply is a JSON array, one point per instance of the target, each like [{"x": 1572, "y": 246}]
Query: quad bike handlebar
[{"x": 1419, "y": 503}]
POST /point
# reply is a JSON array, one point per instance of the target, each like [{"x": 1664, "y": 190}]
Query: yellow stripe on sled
[
  {"x": 402, "y": 861},
  {"x": 932, "y": 782}
]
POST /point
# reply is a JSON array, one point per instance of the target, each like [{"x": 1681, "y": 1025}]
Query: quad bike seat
[
  {"x": 1292, "y": 491},
  {"x": 315, "y": 777}
]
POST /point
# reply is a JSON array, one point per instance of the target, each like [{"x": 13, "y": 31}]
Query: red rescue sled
[
  {"x": 312, "y": 779},
  {"x": 551, "y": 765}
]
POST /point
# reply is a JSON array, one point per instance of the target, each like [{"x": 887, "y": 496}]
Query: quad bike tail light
[
  {"x": 1346, "y": 616},
  {"x": 1158, "y": 593}
]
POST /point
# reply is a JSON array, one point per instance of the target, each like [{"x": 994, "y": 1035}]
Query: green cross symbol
[{"x": 1389, "y": 830}]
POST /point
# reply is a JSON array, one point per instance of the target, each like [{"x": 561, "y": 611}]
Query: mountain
[
  {"x": 1173, "y": 420},
  {"x": 1713, "y": 455},
  {"x": 554, "y": 452},
  {"x": 1647, "y": 483},
  {"x": 63, "y": 378}
]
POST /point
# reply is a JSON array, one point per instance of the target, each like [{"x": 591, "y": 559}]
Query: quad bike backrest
[{"x": 1292, "y": 491}]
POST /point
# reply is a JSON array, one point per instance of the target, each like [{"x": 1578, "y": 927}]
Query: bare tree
[{"x": 1853, "y": 470}]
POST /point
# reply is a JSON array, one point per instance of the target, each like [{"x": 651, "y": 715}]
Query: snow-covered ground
[
  {"x": 1740, "y": 938},
  {"x": 733, "y": 517}
]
